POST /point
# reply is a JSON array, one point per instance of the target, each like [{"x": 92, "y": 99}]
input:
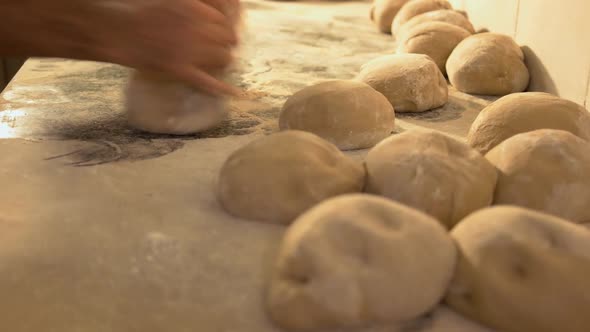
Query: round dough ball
[
  {"x": 454, "y": 17},
  {"x": 414, "y": 8},
  {"x": 383, "y": 12},
  {"x": 160, "y": 105},
  {"x": 435, "y": 39},
  {"x": 521, "y": 270},
  {"x": 443, "y": 319},
  {"x": 488, "y": 64},
  {"x": 277, "y": 177},
  {"x": 349, "y": 114},
  {"x": 411, "y": 82},
  {"x": 522, "y": 112},
  {"x": 357, "y": 260},
  {"x": 545, "y": 170},
  {"x": 433, "y": 173}
]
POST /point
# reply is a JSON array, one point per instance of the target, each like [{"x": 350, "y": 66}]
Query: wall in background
[
  {"x": 555, "y": 36},
  {"x": 3, "y": 78},
  {"x": 8, "y": 68}
]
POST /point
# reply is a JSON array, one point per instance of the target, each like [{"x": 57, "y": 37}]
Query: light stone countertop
[{"x": 106, "y": 229}]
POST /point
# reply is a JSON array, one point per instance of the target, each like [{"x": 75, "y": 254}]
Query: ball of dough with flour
[
  {"x": 347, "y": 113},
  {"x": 451, "y": 16},
  {"x": 521, "y": 270},
  {"x": 383, "y": 12},
  {"x": 488, "y": 64},
  {"x": 157, "y": 104},
  {"x": 433, "y": 173},
  {"x": 414, "y": 8},
  {"x": 522, "y": 112},
  {"x": 435, "y": 39},
  {"x": 545, "y": 170},
  {"x": 277, "y": 177},
  {"x": 443, "y": 319},
  {"x": 411, "y": 82},
  {"x": 356, "y": 260}
]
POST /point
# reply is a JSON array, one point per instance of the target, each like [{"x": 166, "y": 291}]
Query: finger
[
  {"x": 236, "y": 10},
  {"x": 217, "y": 34},
  {"x": 221, "y": 5},
  {"x": 202, "y": 81},
  {"x": 212, "y": 56},
  {"x": 207, "y": 12}
]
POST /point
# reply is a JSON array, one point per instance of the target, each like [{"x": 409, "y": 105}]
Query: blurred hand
[{"x": 188, "y": 40}]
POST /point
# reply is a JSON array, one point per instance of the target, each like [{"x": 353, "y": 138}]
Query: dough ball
[
  {"x": 160, "y": 105},
  {"x": 414, "y": 8},
  {"x": 546, "y": 170},
  {"x": 277, "y": 177},
  {"x": 521, "y": 112},
  {"x": 454, "y": 17},
  {"x": 347, "y": 113},
  {"x": 358, "y": 260},
  {"x": 521, "y": 271},
  {"x": 411, "y": 82},
  {"x": 435, "y": 39},
  {"x": 488, "y": 64},
  {"x": 433, "y": 173},
  {"x": 443, "y": 319},
  {"x": 383, "y": 12}
]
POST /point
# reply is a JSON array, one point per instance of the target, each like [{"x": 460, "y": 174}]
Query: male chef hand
[{"x": 185, "y": 39}]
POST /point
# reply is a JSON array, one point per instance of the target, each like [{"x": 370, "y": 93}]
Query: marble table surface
[{"x": 104, "y": 228}]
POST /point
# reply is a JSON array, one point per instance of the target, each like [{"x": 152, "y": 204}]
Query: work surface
[{"x": 103, "y": 228}]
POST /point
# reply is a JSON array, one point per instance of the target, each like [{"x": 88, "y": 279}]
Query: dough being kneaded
[
  {"x": 521, "y": 271},
  {"x": 545, "y": 170},
  {"x": 277, "y": 177},
  {"x": 359, "y": 260},
  {"x": 411, "y": 82},
  {"x": 349, "y": 114},
  {"x": 431, "y": 172},
  {"x": 488, "y": 64},
  {"x": 414, "y": 8},
  {"x": 162, "y": 105},
  {"x": 527, "y": 111},
  {"x": 435, "y": 39}
]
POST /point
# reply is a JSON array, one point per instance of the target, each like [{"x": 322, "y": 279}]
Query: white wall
[{"x": 554, "y": 34}]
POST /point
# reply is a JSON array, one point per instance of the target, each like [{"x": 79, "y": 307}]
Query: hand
[
  {"x": 186, "y": 39},
  {"x": 189, "y": 40}
]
